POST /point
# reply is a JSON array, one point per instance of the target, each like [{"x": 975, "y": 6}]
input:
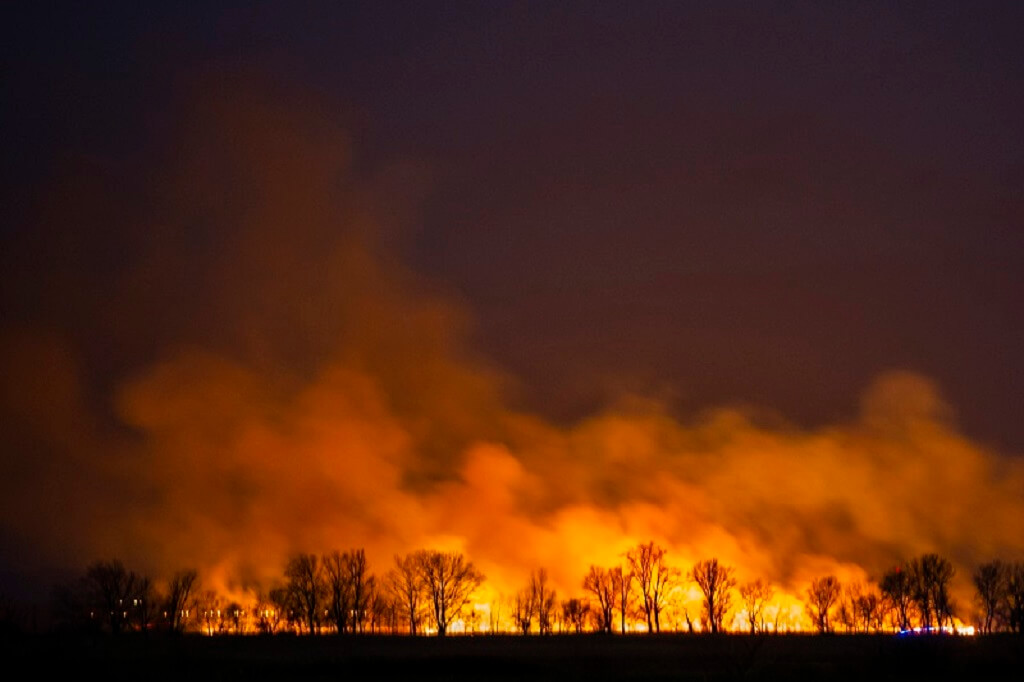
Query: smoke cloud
[{"x": 226, "y": 362}]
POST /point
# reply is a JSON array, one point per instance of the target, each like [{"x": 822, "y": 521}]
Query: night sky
[{"x": 587, "y": 207}]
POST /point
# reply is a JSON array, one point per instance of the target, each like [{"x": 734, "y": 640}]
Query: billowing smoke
[{"x": 281, "y": 383}]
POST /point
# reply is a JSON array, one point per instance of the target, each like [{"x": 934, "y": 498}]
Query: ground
[{"x": 558, "y": 657}]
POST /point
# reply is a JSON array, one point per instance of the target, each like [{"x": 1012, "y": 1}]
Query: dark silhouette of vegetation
[
  {"x": 654, "y": 577},
  {"x": 715, "y": 582},
  {"x": 179, "y": 591},
  {"x": 574, "y": 613},
  {"x": 107, "y": 597},
  {"x": 867, "y": 609},
  {"x": 898, "y": 592},
  {"x": 622, "y": 583},
  {"x": 232, "y": 617},
  {"x": 543, "y": 598},
  {"x": 821, "y": 597},
  {"x": 991, "y": 580},
  {"x": 361, "y": 585},
  {"x": 859, "y": 609},
  {"x": 340, "y": 605},
  {"x": 756, "y": 595},
  {"x": 348, "y": 588},
  {"x": 144, "y": 603},
  {"x": 523, "y": 609},
  {"x": 601, "y": 584},
  {"x": 305, "y": 585},
  {"x": 405, "y": 583},
  {"x": 430, "y": 589},
  {"x": 449, "y": 580},
  {"x": 210, "y": 608},
  {"x": 111, "y": 589},
  {"x": 284, "y": 605},
  {"x": 931, "y": 575},
  {"x": 383, "y": 610},
  {"x": 266, "y": 618},
  {"x": 536, "y": 600},
  {"x": 1015, "y": 597}
]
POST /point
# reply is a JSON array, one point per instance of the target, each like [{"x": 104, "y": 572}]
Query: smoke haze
[{"x": 223, "y": 360}]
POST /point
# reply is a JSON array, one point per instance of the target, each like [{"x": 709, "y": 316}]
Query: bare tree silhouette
[
  {"x": 494, "y": 614},
  {"x": 340, "y": 600},
  {"x": 931, "y": 575},
  {"x": 859, "y": 608},
  {"x": 286, "y": 608},
  {"x": 449, "y": 580},
  {"x": 622, "y": 583},
  {"x": 654, "y": 577},
  {"x": 110, "y": 589},
  {"x": 523, "y": 610},
  {"x": 266, "y": 617},
  {"x": 347, "y": 583},
  {"x": 599, "y": 582},
  {"x": 381, "y": 609},
  {"x": 991, "y": 582},
  {"x": 360, "y": 585},
  {"x": 179, "y": 589},
  {"x": 716, "y": 582},
  {"x": 821, "y": 597},
  {"x": 868, "y": 610},
  {"x": 405, "y": 582},
  {"x": 1015, "y": 597},
  {"x": 305, "y": 581},
  {"x": 211, "y": 608},
  {"x": 756, "y": 595},
  {"x": 143, "y": 606},
  {"x": 574, "y": 613},
  {"x": 898, "y": 592},
  {"x": 543, "y": 599}
]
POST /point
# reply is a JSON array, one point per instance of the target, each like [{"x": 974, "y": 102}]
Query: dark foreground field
[{"x": 564, "y": 657}]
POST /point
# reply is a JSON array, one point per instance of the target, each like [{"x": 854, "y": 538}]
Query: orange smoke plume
[{"x": 303, "y": 391}]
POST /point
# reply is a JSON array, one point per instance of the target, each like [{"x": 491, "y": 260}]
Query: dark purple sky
[{"x": 754, "y": 203}]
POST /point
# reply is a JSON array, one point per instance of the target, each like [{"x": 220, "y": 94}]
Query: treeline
[
  {"x": 112, "y": 598},
  {"x": 432, "y": 592},
  {"x": 336, "y": 591}
]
